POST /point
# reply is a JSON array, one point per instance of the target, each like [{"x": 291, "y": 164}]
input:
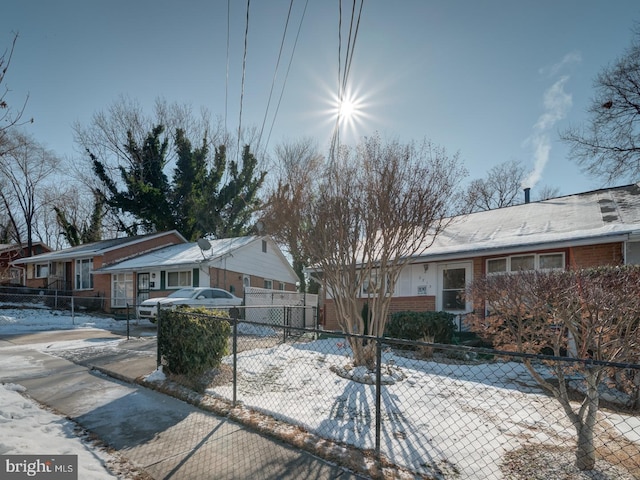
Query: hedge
[{"x": 193, "y": 340}]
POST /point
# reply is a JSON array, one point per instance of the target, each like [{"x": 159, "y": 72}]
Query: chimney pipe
[{"x": 526, "y": 195}]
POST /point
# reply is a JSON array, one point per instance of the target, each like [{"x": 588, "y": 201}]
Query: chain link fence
[{"x": 426, "y": 410}]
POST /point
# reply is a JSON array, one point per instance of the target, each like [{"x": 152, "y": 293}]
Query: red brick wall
[
  {"x": 139, "y": 248},
  {"x": 596, "y": 255},
  {"x": 575, "y": 257},
  {"x": 221, "y": 278}
]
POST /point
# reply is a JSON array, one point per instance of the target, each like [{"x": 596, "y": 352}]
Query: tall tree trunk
[
  {"x": 364, "y": 353},
  {"x": 586, "y": 452}
]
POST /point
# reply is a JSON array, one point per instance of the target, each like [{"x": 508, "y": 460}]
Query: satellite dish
[
  {"x": 204, "y": 244},
  {"x": 260, "y": 226}
]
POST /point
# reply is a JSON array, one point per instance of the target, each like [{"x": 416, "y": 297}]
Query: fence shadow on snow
[{"x": 434, "y": 411}]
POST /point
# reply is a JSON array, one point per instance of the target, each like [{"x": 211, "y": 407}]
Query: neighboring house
[
  {"x": 72, "y": 271},
  {"x": 589, "y": 229},
  {"x": 13, "y": 274},
  {"x": 230, "y": 263}
]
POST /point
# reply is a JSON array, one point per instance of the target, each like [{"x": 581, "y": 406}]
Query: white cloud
[
  {"x": 553, "y": 70},
  {"x": 557, "y": 103}
]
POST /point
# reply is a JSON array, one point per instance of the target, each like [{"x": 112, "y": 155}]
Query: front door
[
  {"x": 452, "y": 283},
  {"x": 143, "y": 288}
]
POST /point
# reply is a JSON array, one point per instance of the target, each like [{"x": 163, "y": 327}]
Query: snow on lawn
[
  {"x": 449, "y": 420},
  {"x": 23, "y": 320},
  {"x": 28, "y": 428},
  {"x": 442, "y": 419}
]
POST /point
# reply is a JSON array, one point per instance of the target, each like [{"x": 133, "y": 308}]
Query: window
[
  {"x": 517, "y": 263},
  {"x": 122, "y": 289},
  {"x": 179, "y": 279},
  {"x": 550, "y": 261},
  {"x": 264, "y": 246},
  {"x": 268, "y": 284},
  {"x": 453, "y": 286},
  {"x": 282, "y": 286},
  {"x": 219, "y": 294},
  {"x": 84, "y": 274},
  {"x": 522, "y": 263},
  {"x": 497, "y": 265},
  {"x": 42, "y": 270},
  {"x": 632, "y": 253},
  {"x": 372, "y": 285}
]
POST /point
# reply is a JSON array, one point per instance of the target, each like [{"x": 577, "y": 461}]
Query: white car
[{"x": 190, "y": 297}]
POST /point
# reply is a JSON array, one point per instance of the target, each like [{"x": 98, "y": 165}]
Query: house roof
[
  {"x": 5, "y": 247},
  {"x": 91, "y": 249},
  {"x": 181, "y": 255},
  {"x": 599, "y": 216}
]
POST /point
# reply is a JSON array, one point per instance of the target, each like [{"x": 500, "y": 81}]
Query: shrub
[
  {"x": 436, "y": 327},
  {"x": 193, "y": 340}
]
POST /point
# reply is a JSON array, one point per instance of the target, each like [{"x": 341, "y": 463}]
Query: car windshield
[{"x": 183, "y": 293}]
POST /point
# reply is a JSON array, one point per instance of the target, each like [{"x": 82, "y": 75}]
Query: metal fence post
[
  {"x": 378, "y": 394},
  {"x": 128, "y": 330},
  {"x": 73, "y": 312},
  {"x": 235, "y": 361},
  {"x": 284, "y": 322},
  {"x": 158, "y": 335}
]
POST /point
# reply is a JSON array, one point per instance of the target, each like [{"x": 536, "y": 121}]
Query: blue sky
[{"x": 493, "y": 80}]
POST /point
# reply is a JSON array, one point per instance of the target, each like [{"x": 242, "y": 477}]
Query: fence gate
[{"x": 267, "y": 306}]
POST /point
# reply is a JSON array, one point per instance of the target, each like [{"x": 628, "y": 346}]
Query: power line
[
  {"x": 244, "y": 63},
  {"x": 343, "y": 76},
  {"x": 275, "y": 73},
  {"x": 284, "y": 84},
  {"x": 226, "y": 84}
]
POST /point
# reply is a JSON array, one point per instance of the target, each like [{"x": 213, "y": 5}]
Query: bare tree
[
  {"x": 111, "y": 130},
  {"x": 294, "y": 174},
  {"x": 591, "y": 315},
  {"x": 608, "y": 147},
  {"x": 546, "y": 192},
  {"x": 502, "y": 187},
  {"x": 10, "y": 116},
  {"x": 373, "y": 208},
  {"x": 24, "y": 172}
]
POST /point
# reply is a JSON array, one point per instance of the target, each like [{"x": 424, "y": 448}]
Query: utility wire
[
  {"x": 226, "y": 83},
  {"x": 244, "y": 63},
  {"x": 343, "y": 76},
  {"x": 284, "y": 84},
  {"x": 350, "y": 53},
  {"x": 275, "y": 73}
]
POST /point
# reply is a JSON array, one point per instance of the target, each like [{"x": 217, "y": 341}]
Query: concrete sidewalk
[{"x": 165, "y": 437}]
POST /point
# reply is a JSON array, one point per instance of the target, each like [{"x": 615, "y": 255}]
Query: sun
[{"x": 347, "y": 110}]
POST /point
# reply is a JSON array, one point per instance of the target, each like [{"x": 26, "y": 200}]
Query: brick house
[
  {"x": 590, "y": 229},
  {"x": 13, "y": 274},
  {"x": 72, "y": 271},
  {"x": 230, "y": 263}
]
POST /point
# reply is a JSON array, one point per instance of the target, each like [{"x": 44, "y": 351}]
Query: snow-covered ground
[
  {"x": 450, "y": 420},
  {"x": 441, "y": 420},
  {"x": 28, "y": 428}
]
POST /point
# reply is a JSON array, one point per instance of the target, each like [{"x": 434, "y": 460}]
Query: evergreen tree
[
  {"x": 88, "y": 232},
  {"x": 196, "y": 201}
]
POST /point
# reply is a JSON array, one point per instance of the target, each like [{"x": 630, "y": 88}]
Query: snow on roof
[
  {"x": 180, "y": 255},
  {"x": 594, "y": 217},
  {"x": 88, "y": 249}
]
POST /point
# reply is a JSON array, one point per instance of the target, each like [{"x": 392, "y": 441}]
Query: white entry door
[{"x": 452, "y": 283}]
